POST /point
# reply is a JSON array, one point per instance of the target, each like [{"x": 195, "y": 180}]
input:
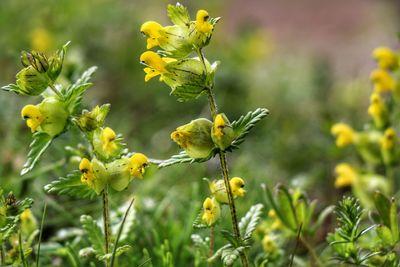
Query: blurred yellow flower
[
  {"x": 218, "y": 189},
  {"x": 211, "y": 211},
  {"x": 385, "y": 57},
  {"x": 33, "y": 117},
  {"x": 202, "y": 23},
  {"x": 383, "y": 81},
  {"x": 345, "y": 175},
  {"x": 138, "y": 163},
  {"x": 277, "y": 223},
  {"x": 377, "y": 106},
  {"x": 41, "y": 40},
  {"x": 268, "y": 244},
  {"x": 388, "y": 139},
  {"x": 345, "y": 135}
]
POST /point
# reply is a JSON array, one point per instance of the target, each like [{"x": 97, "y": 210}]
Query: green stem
[
  {"x": 2, "y": 255},
  {"x": 40, "y": 234},
  {"x": 224, "y": 168},
  {"x": 313, "y": 254},
  {"x": 106, "y": 220},
  {"x": 21, "y": 250},
  {"x": 211, "y": 252},
  {"x": 54, "y": 89}
]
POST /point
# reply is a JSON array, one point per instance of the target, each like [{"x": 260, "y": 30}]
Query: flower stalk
[{"x": 106, "y": 221}]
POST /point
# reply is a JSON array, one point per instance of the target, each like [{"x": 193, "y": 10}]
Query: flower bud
[
  {"x": 222, "y": 133},
  {"x": 377, "y": 110},
  {"x": 50, "y": 116},
  {"x": 195, "y": 138},
  {"x": 91, "y": 120},
  {"x": 388, "y": 142},
  {"x": 383, "y": 81},
  {"x": 211, "y": 211}
]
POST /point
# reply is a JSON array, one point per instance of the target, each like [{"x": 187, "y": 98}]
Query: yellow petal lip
[{"x": 33, "y": 116}]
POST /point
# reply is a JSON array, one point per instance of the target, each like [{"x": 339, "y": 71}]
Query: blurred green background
[{"x": 307, "y": 61}]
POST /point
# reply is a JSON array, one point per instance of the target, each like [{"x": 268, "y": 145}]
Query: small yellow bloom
[
  {"x": 88, "y": 175},
  {"x": 211, "y": 211},
  {"x": 219, "y": 124},
  {"x": 377, "y": 106},
  {"x": 385, "y": 57},
  {"x": 107, "y": 137},
  {"x": 202, "y": 23},
  {"x": 345, "y": 175},
  {"x": 26, "y": 215},
  {"x": 268, "y": 244},
  {"x": 218, "y": 189},
  {"x": 277, "y": 223},
  {"x": 383, "y": 81},
  {"x": 152, "y": 30},
  {"x": 389, "y": 139},
  {"x": 138, "y": 163},
  {"x": 155, "y": 64},
  {"x": 345, "y": 135},
  {"x": 33, "y": 117}
]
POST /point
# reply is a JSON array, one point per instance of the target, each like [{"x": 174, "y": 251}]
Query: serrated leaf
[
  {"x": 285, "y": 203},
  {"x": 73, "y": 93},
  {"x": 218, "y": 253},
  {"x": 70, "y": 186},
  {"x": 94, "y": 234},
  {"x": 118, "y": 252},
  {"x": 183, "y": 157},
  {"x": 178, "y": 14},
  {"x": 13, "y": 88},
  {"x": 198, "y": 221},
  {"x": 244, "y": 124},
  {"x": 230, "y": 237},
  {"x": 249, "y": 222},
  {"x": 41, "y": 141},
  {"x": 230, "y": 255}
]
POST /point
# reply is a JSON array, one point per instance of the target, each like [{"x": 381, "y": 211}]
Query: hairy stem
[
  {"x": 106, "y": 220},
  {"x": 224, "y": 168},
  {"x": 54, "y": 89},
  {"x": 211, "y": 252}
]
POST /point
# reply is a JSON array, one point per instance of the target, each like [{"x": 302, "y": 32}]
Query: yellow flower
[
  {"x": 345, "y": 135},
  {"x": 377, "y": 106},
  {"x": 277, "y": 223},
  {"x": 389, "y": 139},
  {"x": 88, "y": 176},
  {"x": 268, "y": 244},
  {"x": 33, "y": 117},
  {"x": 41, "y": 40},
  {"x": 107, "y": 137},
  {"x": 202, "y": 23},
  {"x": 383, "y": 81},
  {"x": 152, "y": 30},
  {"x": 211, "y": 211},
  {"x": 219, "y": 124},
  {"x": 218, "y": 189},
  {"x": 385, "y": 57},
  {"x": 345, "y": 175},
  {"x": 138, "y": 163},
  {"x": 26, "y": 215},
  {"x": 155, "y": 64}
]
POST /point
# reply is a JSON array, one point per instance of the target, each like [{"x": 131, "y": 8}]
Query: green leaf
[
  {"x": 285, "y": 203},
  {"x": 385, "y": 234},
  {"x": 249, "y": 222},
  {"x": 394, "y": 224},
  {"x": 178, "y": 14},
  {"x": 94, "y": 234},
  {"x": 382, "y": 205},
  {"x": 244, "y": 124},
  {"x": 41, "y": 141},
  {"x": 230, "y": 237},
  {"x": 70, "y": 186},
  {"x": 218, "y": 253},
  {"x": 13, "y": 88},
  {"x": 183, "y": 157},
  {"x": 230, "y": 255},
  {"x": 73, "y": 93}
]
